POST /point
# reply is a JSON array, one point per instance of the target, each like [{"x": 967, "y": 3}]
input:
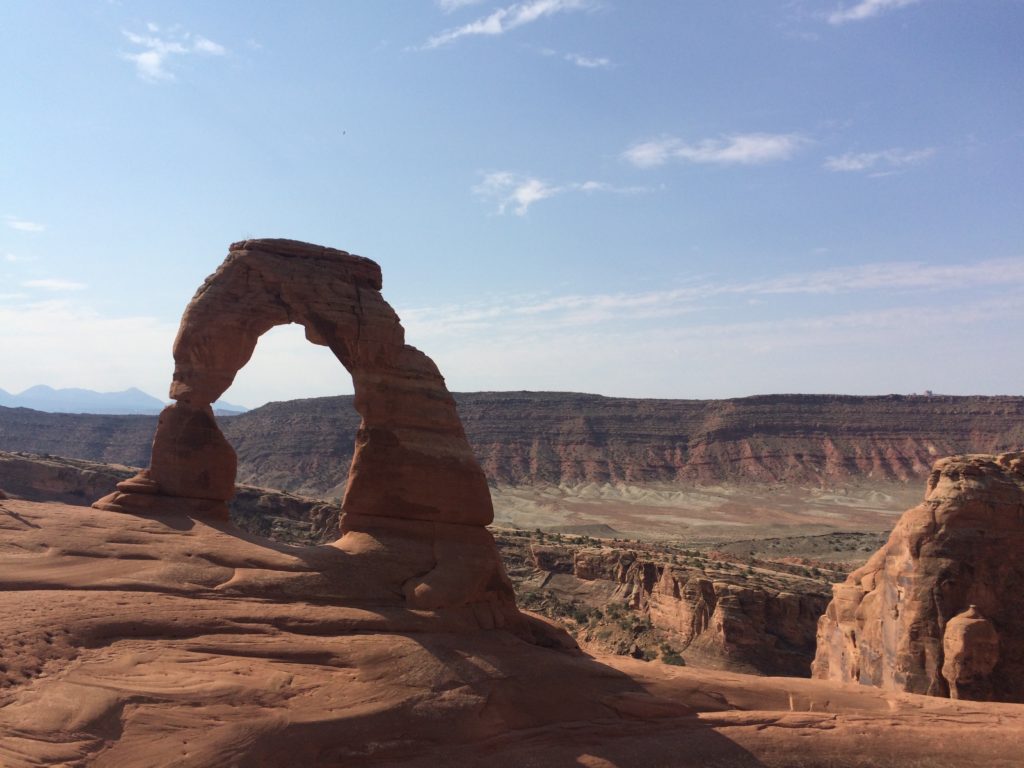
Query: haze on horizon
[{"x": 696, "y": 200}]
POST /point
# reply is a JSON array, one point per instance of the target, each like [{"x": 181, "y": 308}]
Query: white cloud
[
  {"x": 505, "y": 19},
  {"x": 518, "y": 192},
  {"x": 865, "y": 9},
  {"x": 872, "y": 161},
  {"x": 448, "y": 6},
  {"x": 737, "y": 149},
  {"x": 204, "y": 45},
  {"x": 53, "y": 284},
  {"x": 157, "y": 48},
  {"x": 24, "y": 226},
  {"x": 588, "y": 309},
  {"x": 588, "y": 62},
  {"x": 706, "y": 339}
]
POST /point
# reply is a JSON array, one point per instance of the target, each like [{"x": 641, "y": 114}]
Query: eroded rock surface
[
  {"x": 137, "y": 641},
  {"x": 756, "y": 620},
  {"x": 940, "y": 608},
  {"x": 414, "y": 490}
]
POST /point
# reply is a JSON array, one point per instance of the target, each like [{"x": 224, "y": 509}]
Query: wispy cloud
[
  {"x": 737, "y": 149},
  {"x": 22, "y": 225},
  {"x": 892, "y": 278},
  {"x": 157, "y": 47},
  {"x": 53, "y": 284},
  {"x": 588, "y": 62},
  {"x": 866, "y": 9},
  {"x": 707, "y": 338},
  {"x": 517, "y": 192},
  {"x": 506, "y": 19},
  {"x": 453, "y": 5},
  {"x": 879, "y": 163}
]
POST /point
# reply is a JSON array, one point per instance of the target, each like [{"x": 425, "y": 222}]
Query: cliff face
[
  {"x": 940, "y": 608},
  {"x": 708, "y": 611},
  {"x": 305, "y": 446},
  {"x": 102, "y": 438},
  {"x": 278, "y": 515}
]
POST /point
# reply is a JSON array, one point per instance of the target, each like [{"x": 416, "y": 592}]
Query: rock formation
[
  {"x": 761, "y": 622},
  {"x": 413, "y": 484},
  {"x": 939, "y": 609},
  {"x": 970, "y": 645}
]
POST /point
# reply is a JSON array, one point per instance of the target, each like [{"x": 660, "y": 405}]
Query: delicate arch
[{"x": 411, "y": 459}]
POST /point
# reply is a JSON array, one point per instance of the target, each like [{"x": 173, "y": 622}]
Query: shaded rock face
[
  {"x": 971, "y": 648},
  {"x": 938, "y": 610},
  {"x": 739, "y": 624},
  {"x": 413, "y": 480}
]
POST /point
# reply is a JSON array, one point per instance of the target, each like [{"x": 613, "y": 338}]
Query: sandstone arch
[
  {"x": 413, "y": 475},
  {"x": 412, "y": 459}
]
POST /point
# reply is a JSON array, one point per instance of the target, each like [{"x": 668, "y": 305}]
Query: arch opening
[{"x": 411, "y": 458}]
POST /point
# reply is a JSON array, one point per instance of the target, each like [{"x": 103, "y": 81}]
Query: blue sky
[{"x": 658, "y": 199}]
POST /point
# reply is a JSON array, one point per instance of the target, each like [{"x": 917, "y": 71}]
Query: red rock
[
  {"x": 411, "y": 462},
  {"x": 971, "y": 648},
  {"x": 135, "y": 641},
  {"x": 893, "y": 622}
]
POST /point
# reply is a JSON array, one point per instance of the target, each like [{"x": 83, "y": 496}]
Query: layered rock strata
[
  {"x": 761, "y": 621},
  {"x": 940, "y": 608},
  {"x": 558, "y": 438},
  {"x": 414, "y": 487}
]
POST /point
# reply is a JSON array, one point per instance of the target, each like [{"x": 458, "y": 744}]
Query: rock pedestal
[
  {"x": 413, "y": 480},
  {"x": 970, "y": 645},
  {"x": 940, "y": 608}
]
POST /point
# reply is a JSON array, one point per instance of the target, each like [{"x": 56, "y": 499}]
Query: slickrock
[
  {"x": 414, "y": 487},
  {"x": 939, "y": 609},
  {"x": 165, "y": 640}
]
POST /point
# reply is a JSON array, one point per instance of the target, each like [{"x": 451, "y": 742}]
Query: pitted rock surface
[
  {"x": 950, "y": 580},
  {"x": 413, "y": 477}
]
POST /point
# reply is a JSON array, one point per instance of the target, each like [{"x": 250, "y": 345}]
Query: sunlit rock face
[
  {"x": 413, "y": 477},
  {"x": 940, "y": 608}
]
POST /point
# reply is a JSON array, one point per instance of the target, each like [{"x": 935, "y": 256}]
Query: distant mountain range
[{"x": 130, "y": 401}]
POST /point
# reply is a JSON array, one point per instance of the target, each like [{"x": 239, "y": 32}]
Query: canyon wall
[
  {"x": 752, "y": 617},
  {"x": 305, "y": 446}
]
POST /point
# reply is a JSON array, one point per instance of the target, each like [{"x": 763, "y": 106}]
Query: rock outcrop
[
  {"x": 414, "y": 486},
  {"x": 758, "y": 620},
  {"x": 939, "y": 609}
]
